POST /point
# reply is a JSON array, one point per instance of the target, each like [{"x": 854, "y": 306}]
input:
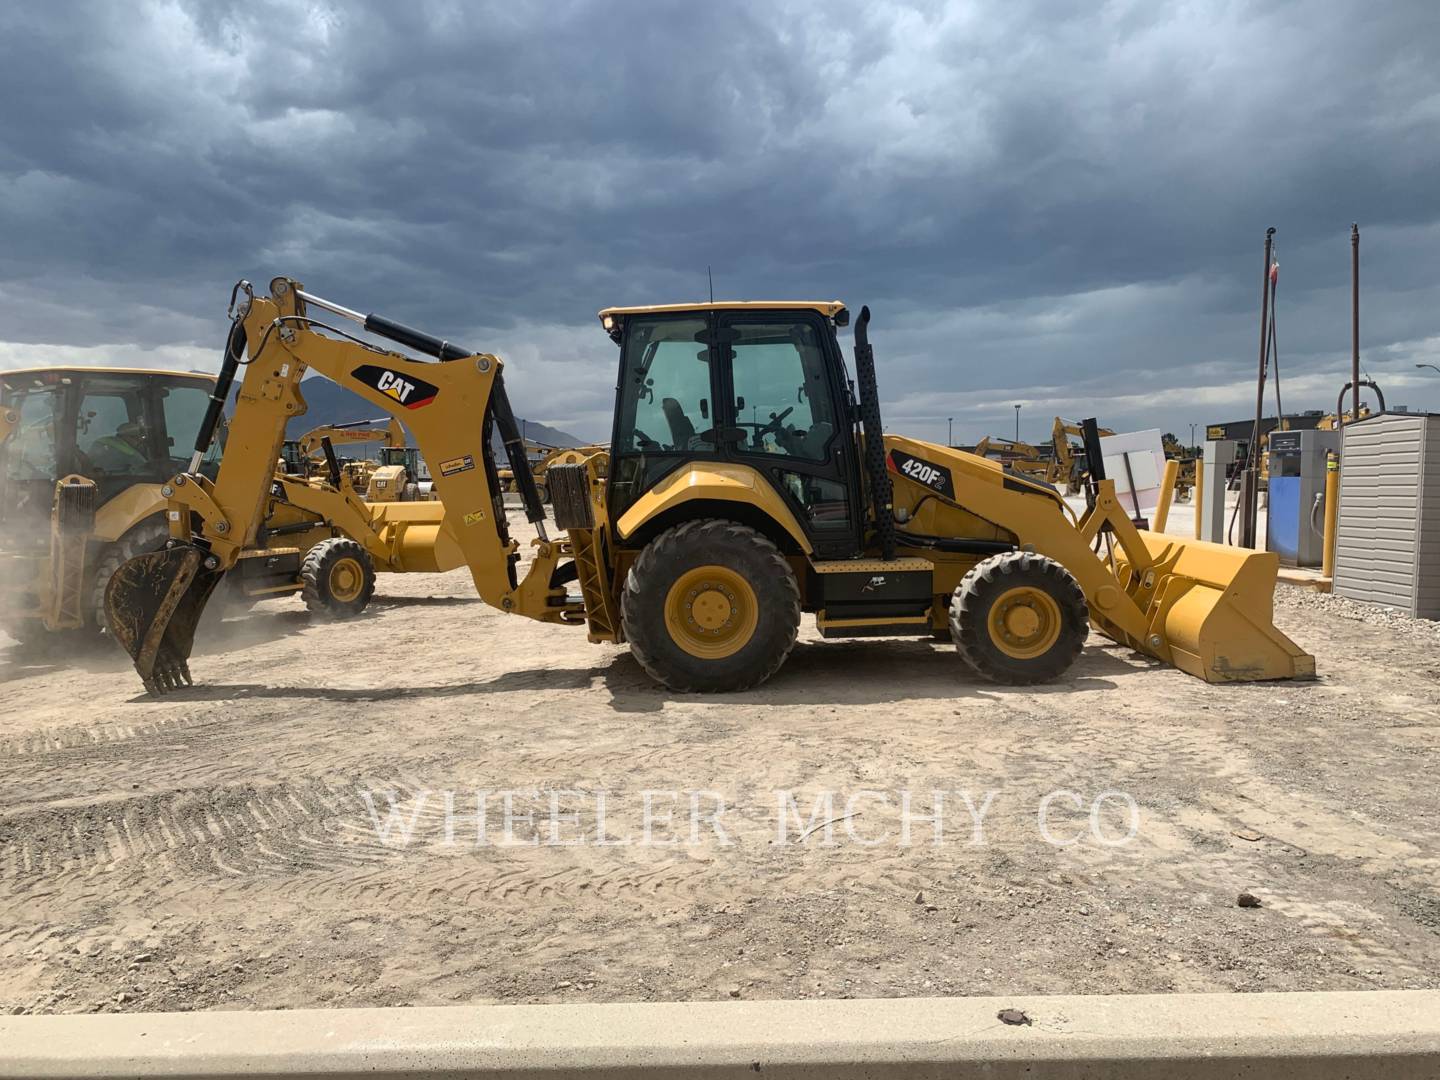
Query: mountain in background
[{"x": 332, "y": 404}]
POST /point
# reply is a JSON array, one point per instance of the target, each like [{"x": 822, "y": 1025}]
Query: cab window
[
  {"x": 184, "y": 406},
  {"x": 665, "y": 409},
  {"x": 665, "y": 388},
  {"x": 782, "y": 396},
  {"x": 30, "y": 452},
  {"x": 110, "y": 431}
]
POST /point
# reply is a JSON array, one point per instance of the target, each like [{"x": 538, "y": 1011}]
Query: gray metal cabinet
[{"x": 1387, "y": 547}]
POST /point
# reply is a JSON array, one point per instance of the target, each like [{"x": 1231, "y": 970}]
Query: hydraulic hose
[{"x": 234, "y": 349}]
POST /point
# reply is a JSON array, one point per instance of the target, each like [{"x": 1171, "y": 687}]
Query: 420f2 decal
[
  {"x": 406, "y": 389},
  {"x": 923, "y": 472}
]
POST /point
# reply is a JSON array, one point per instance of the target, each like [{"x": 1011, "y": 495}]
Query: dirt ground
[{"x": 222, "y": 848}]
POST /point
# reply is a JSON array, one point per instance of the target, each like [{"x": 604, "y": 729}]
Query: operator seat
[
  {"x": 812, "y": 446},
  {"x": 682, "y": 431}
]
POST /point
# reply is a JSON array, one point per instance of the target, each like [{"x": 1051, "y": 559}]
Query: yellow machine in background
[
  {"x": 84, "y": 452},
  {"x": 738, "y": 493},
  {"x": 311, "y": 447},
  {"x": 1070, "y": 467},
  {"x": 84, "y": 458},
  {"x": 401, "y": 475},
  {"x": 1021, "y": 457}
]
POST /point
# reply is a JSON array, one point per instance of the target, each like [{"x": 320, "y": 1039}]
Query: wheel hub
[
  {"x": 346, "y": 580},
  {"x": 1024, "y": 622},
  {"x": 711, "y": 612}
]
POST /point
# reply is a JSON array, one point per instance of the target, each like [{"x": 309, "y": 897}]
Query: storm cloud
[{"x": 1050, "y": 204}]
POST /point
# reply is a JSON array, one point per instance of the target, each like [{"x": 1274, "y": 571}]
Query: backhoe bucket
[
  {"x": 153, "y": 603},
  {"x": 1210, "y": 609}
]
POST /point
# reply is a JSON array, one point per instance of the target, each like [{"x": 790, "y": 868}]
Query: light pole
[
  {"x": 950, "y": 431},
  {"x": 1192, "y": 436},
  {"x": 1432, "y": 367},
  {"x": 1017, "y": 423}
]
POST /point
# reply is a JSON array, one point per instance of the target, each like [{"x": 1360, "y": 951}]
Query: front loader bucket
[
  {"x": 1210, "y": 609},
  {"x": 153, "y": 603}
]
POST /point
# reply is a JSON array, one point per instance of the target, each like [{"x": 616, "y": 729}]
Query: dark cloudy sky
[{"x": 1055, "y": 204}]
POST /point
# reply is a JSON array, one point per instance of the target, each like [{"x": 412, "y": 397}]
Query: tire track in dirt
[{"x": 57, "y": 738}]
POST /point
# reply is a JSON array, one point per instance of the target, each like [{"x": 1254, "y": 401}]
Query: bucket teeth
[{"x": 170, "y": 674}]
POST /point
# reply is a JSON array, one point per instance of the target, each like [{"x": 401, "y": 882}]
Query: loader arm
[{"x": 154, "y": 602}]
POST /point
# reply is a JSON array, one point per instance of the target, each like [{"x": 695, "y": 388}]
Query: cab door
[{"x": 784, "y": 406}]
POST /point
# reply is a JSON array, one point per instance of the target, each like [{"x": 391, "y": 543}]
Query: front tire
[
  {"x": 1019, "y": 618},
  {"x": 711, "y": 606},
  {"x": 339, "y": 578}
]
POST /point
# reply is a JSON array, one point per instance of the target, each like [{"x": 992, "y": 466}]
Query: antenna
[{"x": 711, "y": 278}]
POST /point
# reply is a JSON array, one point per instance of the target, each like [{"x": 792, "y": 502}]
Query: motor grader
[{"x": 746, "y": 485}]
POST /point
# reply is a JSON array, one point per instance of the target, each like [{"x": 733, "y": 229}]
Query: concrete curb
[{"x": 1391, "y": 1034}]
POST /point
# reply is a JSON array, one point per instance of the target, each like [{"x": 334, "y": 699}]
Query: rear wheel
[
  {"x": 711, "y": 606},
  {"x": 1019, "y": 618},
  {"x": 339, "y": 578}
]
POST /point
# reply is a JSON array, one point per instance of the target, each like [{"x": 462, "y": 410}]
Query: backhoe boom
[{"x": 154, "y": 601}]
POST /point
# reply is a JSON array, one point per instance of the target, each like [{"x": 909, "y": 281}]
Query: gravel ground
[{"x": 222, "y": 848}]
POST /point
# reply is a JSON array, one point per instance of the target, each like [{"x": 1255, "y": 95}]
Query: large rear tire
[
  {"x": 339, "y": 578},
  {"x": 1019, "y": 618},
  {"x": 711, "y": 606}
]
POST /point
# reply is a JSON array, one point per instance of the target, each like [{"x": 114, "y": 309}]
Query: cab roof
[
  {"x": 93, "y": 369},
  {"x": 829, "y": 308}
]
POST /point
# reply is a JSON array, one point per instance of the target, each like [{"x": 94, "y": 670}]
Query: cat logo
[
  {"x": 876, "y": 582},
  {"x": 411, "y": 392}
]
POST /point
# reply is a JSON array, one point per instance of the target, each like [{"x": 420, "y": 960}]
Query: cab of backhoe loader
[{"x": 758, "y": 388}]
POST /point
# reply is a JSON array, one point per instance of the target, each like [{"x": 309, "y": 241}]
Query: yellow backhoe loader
[
  {"x": 84, "y": 454},
  {"x": 744, "y": 487}
]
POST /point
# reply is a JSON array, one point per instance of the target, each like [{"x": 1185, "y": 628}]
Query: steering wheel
[{"x": 776, "y": 422}]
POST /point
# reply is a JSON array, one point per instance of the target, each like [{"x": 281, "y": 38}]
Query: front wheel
[
  {"x": 339, "y": 578},
  {"x": 1019, "y": 618},
  {"x": 711, "y": 606}
]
